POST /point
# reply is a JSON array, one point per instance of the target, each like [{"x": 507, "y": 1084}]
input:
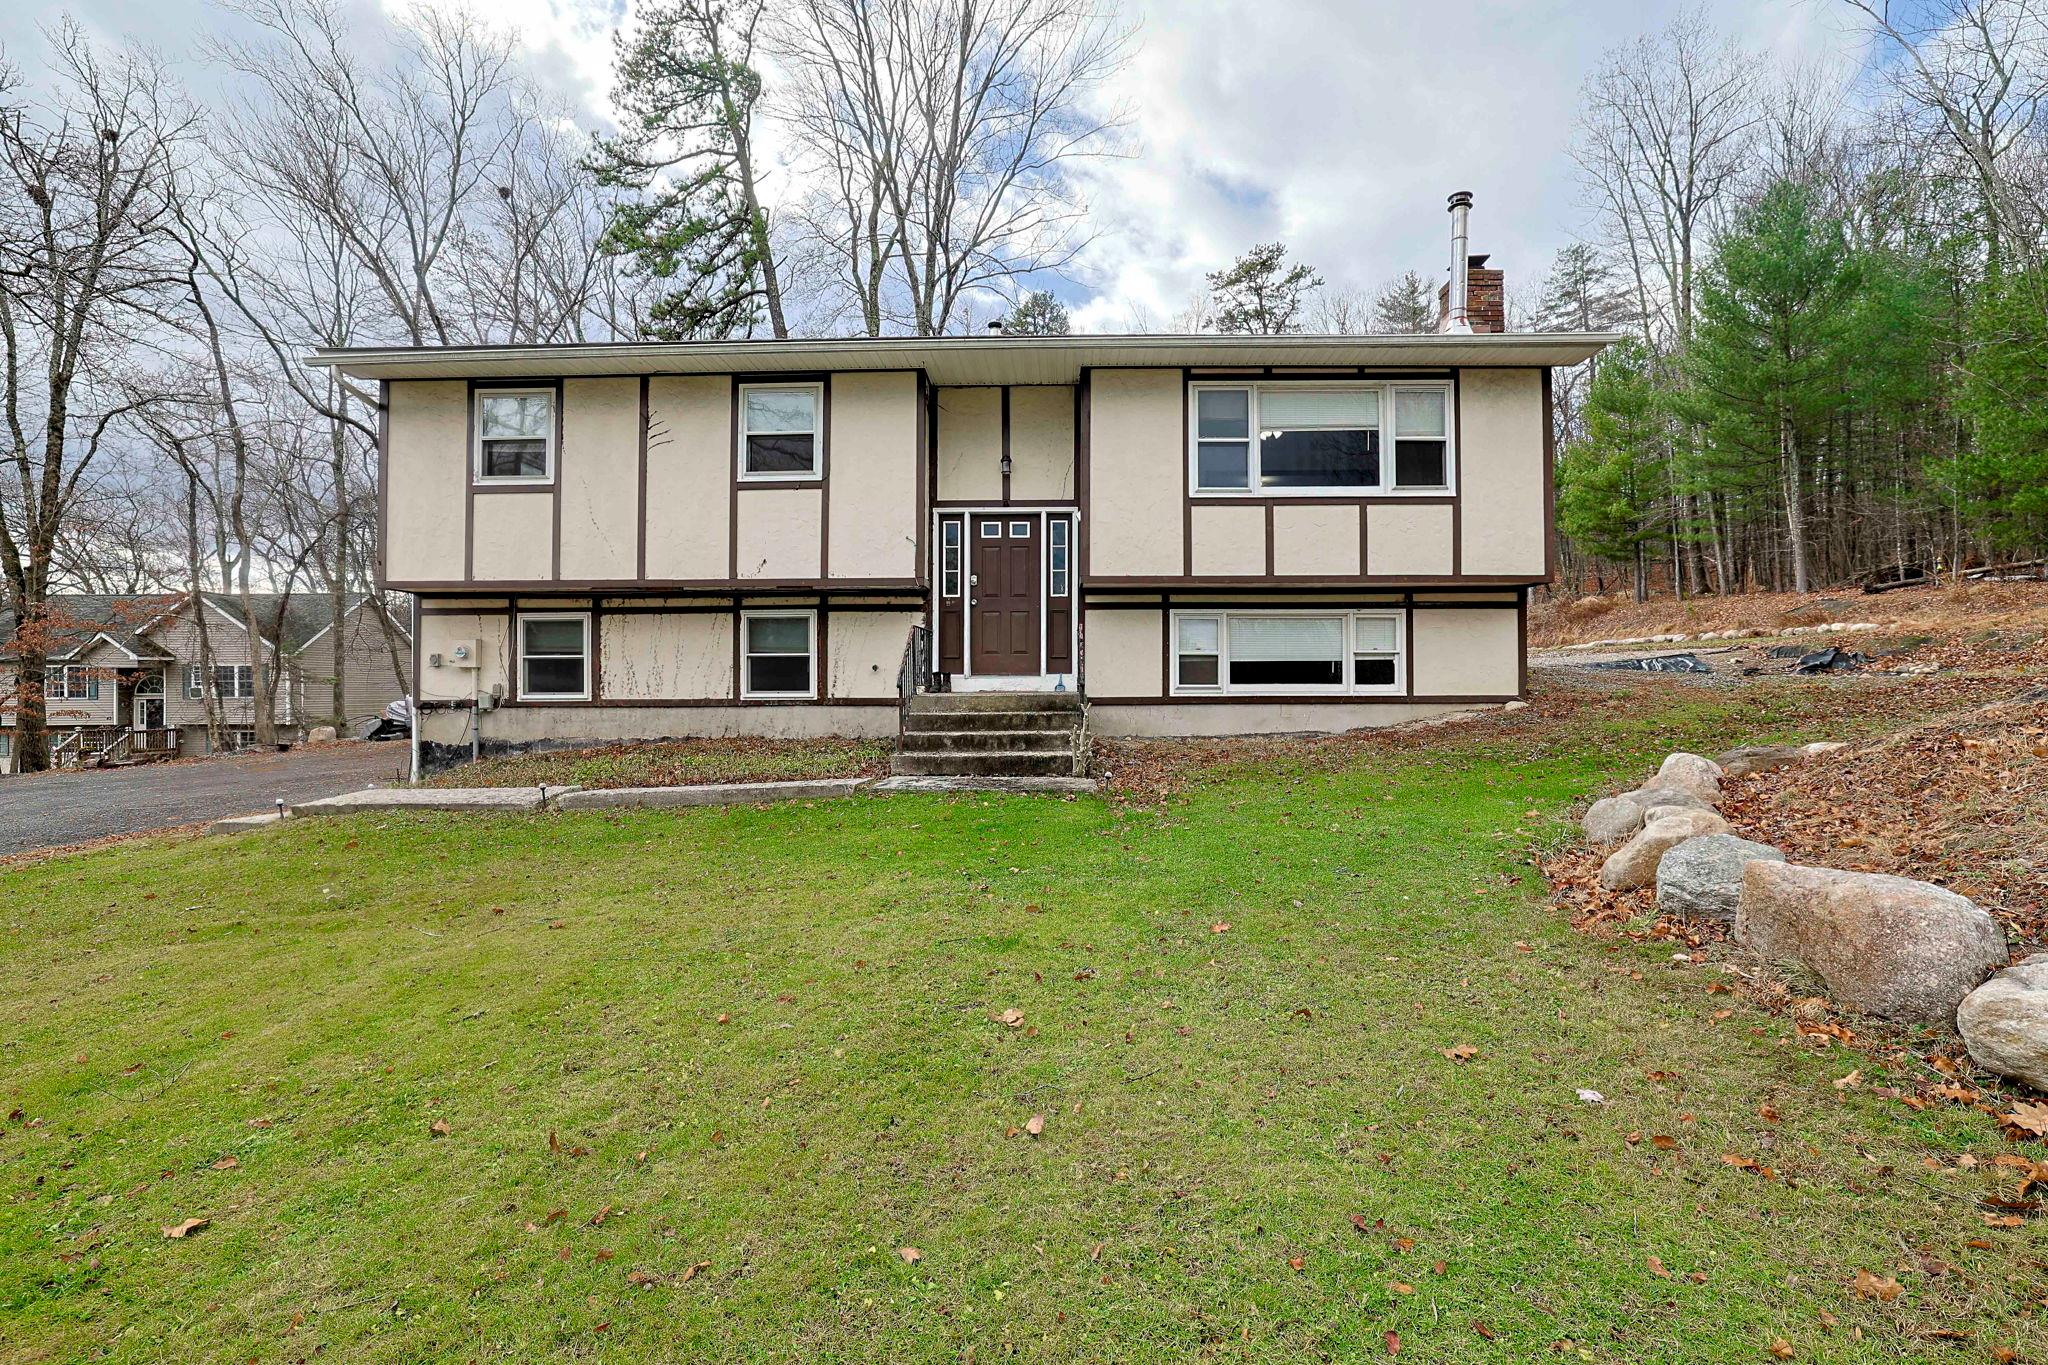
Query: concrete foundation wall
[{"x": 1168, "y": 719}]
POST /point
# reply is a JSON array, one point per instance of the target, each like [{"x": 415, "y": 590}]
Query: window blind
[
  {"x": 1375, "y": 634},
  {"x": 1290, "y": 407},
  {"x": 1266, "y": 639},
  {"x": 1419, "y": 413}
]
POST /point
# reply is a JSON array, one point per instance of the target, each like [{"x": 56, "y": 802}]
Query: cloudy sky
[{"x": 1337, "y": 126}]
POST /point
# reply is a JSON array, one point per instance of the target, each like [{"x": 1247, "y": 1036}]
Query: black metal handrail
[{"x": 915, "y": 674}]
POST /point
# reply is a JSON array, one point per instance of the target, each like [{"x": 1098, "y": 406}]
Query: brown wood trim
[
  {"x": 819, "y": 671},
  {"x": 1457, "y": 473},
  {"x": 1187, "y": 487},
  {"x": 732, "y": 493},
  {"x": 924, "y": 488},
  {"x": 757, "y": 587},
  {"x": 1334, "y": 500},
  {"x": 1309, "y": 699},
  {"x": 377, "y": 562},
  {"x": 1261, "y": 583},
  {"x": 596, "y": 650},
  {"x": 1522, "y": 638},
  {"x": 825, "y": 481},
  {"x": 1549, "y": 482},
  {"x": 879, "y": 703},
  {"x": 1329, "y": 603},
  {"x": 469, "y": 480},
  {"x": 1208, "y": 373},
  {"x": 1003, "y": 464},
  {"x": 1270, "y": 549},
  {"x": 1015, "y": 504},
  {"x": 1408, "y": 649},
  {"x": 1364, "y": 543},
  {"x": 555, "y": 485},
  {"x": 413, "y": 689},
  {"x": 487, "y": 491},
  {"x": 739, "y": 627},
  {"x": 640, "y": 518},
  {"x": 1084, "y": 415}
]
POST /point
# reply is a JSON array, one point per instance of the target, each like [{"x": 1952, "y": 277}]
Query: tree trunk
[{"x": 1795, "y": 512}]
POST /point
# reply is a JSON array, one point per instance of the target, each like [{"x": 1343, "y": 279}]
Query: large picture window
[
  {"x": 778, "y": 654},
  {"x": 554, "y": 657},
  {"x": 515, "y": 435},
  {"x": 1288, "y": 652},
  {"x": 779, "y": 430},
  {"x": 1302, "y": 438},
  {"x": 230, "y": 682}
]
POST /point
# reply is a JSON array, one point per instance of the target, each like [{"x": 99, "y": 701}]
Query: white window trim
[
  {"x": 817, "y": 434},
  {"x": 810, "y": 619},
  {"x": 476, "y": 452},
  {"x": 1059, "y": 579},
  {"x": 582, "y": 618},
  {"x": 958, "y": 568},
  {"x": 1348, "y": 688},
  {"x": 1383, "y": 489}
]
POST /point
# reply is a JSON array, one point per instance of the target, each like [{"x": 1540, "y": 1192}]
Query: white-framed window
[
  {"x": 70, "y": 682},
  {"x": 515, "y": 436},
  {"x": 231, "y": 682},
  {"x": 1302, "y": 438},
  {"x": 779, "y": 430},
  {"x": 991, "y": 530},
  {"x": 778, "y": 654},
  {"x": 949, "y": 557},
  {"x": 1056, "y": 556},
  {"x": 1288, "y": 652},
  {"x": 554, "y": 656}
]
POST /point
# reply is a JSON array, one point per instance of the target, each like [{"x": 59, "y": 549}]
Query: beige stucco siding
[
  {"x": 603, "y": 724},
  {"x": 599, "y": 467},
  {"x": 667, "y": 655},
  {"x": 1042, "y": 443},
  {"x": 1407, "y": 539},
  {"x": 440, "y": 635},
  {"x": 1319, "y": 541},
  {"x": 1500, "y": 453},
  {"x": 1136, "y": 473},
  {"x": 873, "y": 476},
  {"x": 1229, "y": 540},
  {"x": 513, "y": 538},
  {"x": 428, "y": 452},
  {"x": 779, "y": 533},
  {"x": 971, "y": 445},
  {"x": 1120, "y": 653},
  {"x": 864, "y": 652},
  {"x": 1466, "y": 653},
  {"x": 689, "y": 475}
]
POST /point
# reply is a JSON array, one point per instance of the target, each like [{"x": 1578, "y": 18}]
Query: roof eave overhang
[{"x": 971, "y": 360}]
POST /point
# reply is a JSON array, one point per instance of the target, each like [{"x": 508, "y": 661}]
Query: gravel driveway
[{"x": 49, "y": 810}]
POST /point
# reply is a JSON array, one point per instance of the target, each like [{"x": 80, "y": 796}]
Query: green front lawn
[{"x": 705, "y": 1075}]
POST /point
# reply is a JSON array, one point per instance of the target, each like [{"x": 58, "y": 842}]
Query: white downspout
[{"x": 1456, "y": 312}]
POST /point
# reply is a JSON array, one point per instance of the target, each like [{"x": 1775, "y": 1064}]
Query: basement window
[
  {"x": 515, "y": 435},
  {"x": 1288, "y": 653},
  {"x": 554, "y": 656},
  {"x": 778, "y": 655},
  {"x": 779, "y": 430}
]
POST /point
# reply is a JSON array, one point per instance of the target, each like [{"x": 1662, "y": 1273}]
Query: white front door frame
[
  {"x": 138, "y": 704},
  {"x": 965, "y": 680}
]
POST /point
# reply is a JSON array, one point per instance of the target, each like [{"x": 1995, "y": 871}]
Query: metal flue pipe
[{"x": 1456, "y": 314}]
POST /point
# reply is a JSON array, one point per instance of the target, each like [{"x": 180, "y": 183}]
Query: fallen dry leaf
[
  {"x": 1483, "y": 1330},
  {"x": 1393, "y": 1343},
  {"x": 186, "y": 1228},
  {"x": 1853, "y": 1079},
  {"x": 2029, "y": 1116},
  {"x": 910, "y": 1255},
  {"x": 1877, "y": 1288},
  {"x": 1781, "y": 1349},
  {"x": 1035, "y": 1124},
  {"x": 439, "y": 1128},
  {"x": 226, "y": 1163},
  {"x": 691, "y": 1272},
  {"x": 1294, "y": 1262},
  {"x": 1220, "y": 927},
  {"x": 1463, "y": 1052},
  {"x": 1010, "y": 1018},
  {"x": 1656, "y": 1265}
]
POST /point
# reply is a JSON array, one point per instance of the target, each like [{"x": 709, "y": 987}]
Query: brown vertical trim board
[
  {"x": 1083, "y": 414},
  {"x": 640, "y": 521},
  {"x": 1004, "y": 464},
  {"x": 1458, "y": 445},
  {"x": 469, "y": 483},
  {"x": 413, "y": 690},
  {"x": 383, "y": 485},
  {"x": 555, "y": 536},
  {"x": 1187, "y": 492},
  {"x": 1166, "y": 643},
  {"x": 596, "y": 648},
  {"x": 1364, "y": 516},
  {"x": 1549, "y": 483},
  {"x": 512, "y": 652},
  {"x": 820, "y": 663},
  {"x": 738, "y": 683},
  {"x": 924, "y": 491},
  {"x": 1408, "y": 644},
  {"x": 825, "y": 478},
  {"x": 732, "y": 493},
  {"x": 1269, "y": 538},
  {"x": 1522, "y": 635}
]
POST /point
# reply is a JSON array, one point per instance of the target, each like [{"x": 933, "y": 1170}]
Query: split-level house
[
  {"x": 128, "y": 680},
  {"x": 1190, "y": 534}
]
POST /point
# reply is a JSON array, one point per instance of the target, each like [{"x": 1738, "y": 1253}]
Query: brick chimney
[{"x": 1486, "y": 298}]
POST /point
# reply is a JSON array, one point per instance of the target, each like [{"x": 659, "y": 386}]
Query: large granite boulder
[
  {"x": 1634, "y": 864},
  {"x": 1612, "y": 819},
  {"x": 1691, "y": 773},
  {"x": 2004, "y": 1022},
  {"x": 1887, "y": 946},
  {"x": 1702, "y": 878}
]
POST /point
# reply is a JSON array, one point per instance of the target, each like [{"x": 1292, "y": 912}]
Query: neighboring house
[
  {"x": 125, "y": 679},
  {"x": 1196, "y": 534}
]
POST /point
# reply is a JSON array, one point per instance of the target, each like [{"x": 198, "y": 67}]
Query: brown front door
[{"x": 1004, "y": 594}]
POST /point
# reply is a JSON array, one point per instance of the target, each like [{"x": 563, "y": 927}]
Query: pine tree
[
  {"x": 1404, "y": 306},
  {"x": 1038, "y": 314},
  {"x": 1613, "y": 490},
  {"x": 2003, "y": 478},
  {"x": 1773, "y": 335},
  {"x": 690, "y": 215},
  {"x": 1260, "y": 294}
]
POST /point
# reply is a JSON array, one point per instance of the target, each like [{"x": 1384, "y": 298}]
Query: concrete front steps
[{"x": 994, "y": 734}]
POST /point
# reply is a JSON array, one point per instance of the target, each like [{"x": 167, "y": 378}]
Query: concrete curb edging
[
  {"x": 716, "y": 794},
  {"x": 1063, "y": 785},
  {"x": 436, "y": 798}
]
